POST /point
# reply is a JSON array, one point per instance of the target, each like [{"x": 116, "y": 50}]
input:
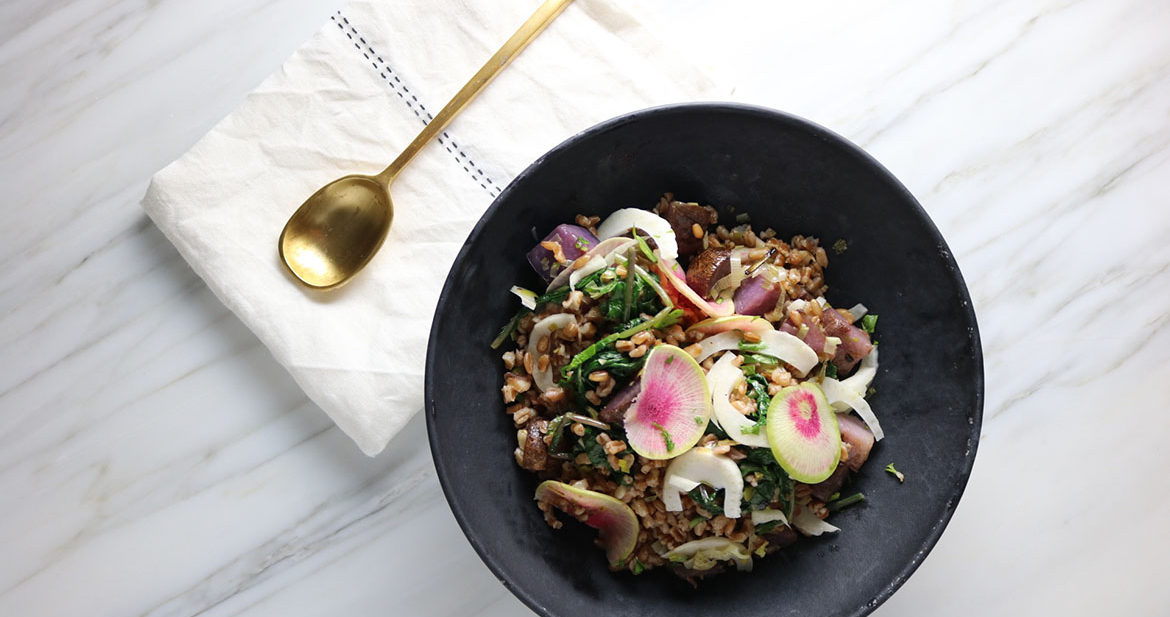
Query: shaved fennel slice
[
  {"x": 722, "y": 379},
  {"x": 842, "y": 398},
  {"x": 810, "y": 525},
  {"x": 858, "y": 311},
  {"x": 546, "y": 327},
  {"x": 603, "y": 249},
  {"x": 777, "y": 344},
  {"x": 767, "y": 515},
  {"x": 706, "y": 553},
  {"x": 658, "y": 228},
  {"x": 702, "y": 465},
  {"x": 861, "y": 378},
  {"x": 527, "y": 296},
  {"x": 594, "y": 264}
]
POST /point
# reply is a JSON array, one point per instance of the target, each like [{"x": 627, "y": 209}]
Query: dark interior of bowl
[{"x": 785, "y": 173}]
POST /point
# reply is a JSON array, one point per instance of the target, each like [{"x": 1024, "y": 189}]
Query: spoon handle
[{"x": 512, "y": 48}]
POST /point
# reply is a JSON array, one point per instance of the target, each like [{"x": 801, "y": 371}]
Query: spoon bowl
[{"x": 336, "y": 232}]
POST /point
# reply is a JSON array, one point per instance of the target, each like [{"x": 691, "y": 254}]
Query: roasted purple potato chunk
[{"x": 571, "y": 241}]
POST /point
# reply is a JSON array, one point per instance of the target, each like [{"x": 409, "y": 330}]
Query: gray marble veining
[{"x": 154, "y": 460}]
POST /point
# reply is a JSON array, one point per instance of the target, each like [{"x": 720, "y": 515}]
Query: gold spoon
[{"x": 335, "y": 232}]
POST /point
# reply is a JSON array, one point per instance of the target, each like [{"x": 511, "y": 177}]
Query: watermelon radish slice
[
  {"x": 616, "y": 522},
  {"x": 672, "y": 411},
  {"x": 803, "y": 433},
  {"x": 743, "y": 323}
]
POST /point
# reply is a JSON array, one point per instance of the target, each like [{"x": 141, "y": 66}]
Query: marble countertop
[{"x": 154, "y": 459}]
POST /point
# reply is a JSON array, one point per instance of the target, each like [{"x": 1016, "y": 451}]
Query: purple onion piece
[{"x": 574, "y": 241}]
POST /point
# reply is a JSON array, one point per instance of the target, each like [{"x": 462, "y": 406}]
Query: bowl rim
[{"x": 929, "y": 541}]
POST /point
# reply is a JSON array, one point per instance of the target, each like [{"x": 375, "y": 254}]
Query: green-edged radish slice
[
  {"x": 722, "y": 379},
  {"x": 546, "y": 327},
  {"x": 703, "y": 466},
  {"x": 803, "y": 433},
  {"x": 706, "y": 553},
  {"x": 743, "y": 323},
  {"x": 780, "y": 345},
  {"x": 672, "y": 411},
  {"x": 616, "y": 522},
  {"x": 658, "y": 228}
]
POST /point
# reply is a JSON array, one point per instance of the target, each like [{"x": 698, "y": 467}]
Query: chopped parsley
[
  {"x": 645, "y": 248},
  {"x": 897, "y": 474},
  {"x": 669, "y": 359},
  {"x": 638, "y": 567},
  {"x": 830, "y": 370},
  {"x": 699, "y": 420},
  {"x": 581, "y": 243},
  {"x": 869, "y": 323}
]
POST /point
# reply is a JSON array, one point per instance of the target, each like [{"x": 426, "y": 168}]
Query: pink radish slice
[
  {"x": 616, "y": 522},
  {"x": 672, "y": 411},
  {"x": 803, "y": 433},
  {"x": 743, "y": 323},
  {"x": 712, "y": 309}
]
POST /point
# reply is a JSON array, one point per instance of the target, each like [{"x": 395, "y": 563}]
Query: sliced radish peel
[
  {"x": 546, "y": 327},
  {"x": 673, "y": 408},
  {"x": 712, "y": 309},
  {"x": 722, "y": 379},
  {"x": 616, "y": 522},
  {"x": 658, "y": 228},
  {"x": 743, "y": 323},
  {"x": 703, "y": 466}
]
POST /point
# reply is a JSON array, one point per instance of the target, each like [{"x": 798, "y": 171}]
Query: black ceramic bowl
[{"x": 793, "y": 176}]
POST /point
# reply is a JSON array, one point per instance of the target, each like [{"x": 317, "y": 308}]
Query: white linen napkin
[{"x": 347, "y": 102}]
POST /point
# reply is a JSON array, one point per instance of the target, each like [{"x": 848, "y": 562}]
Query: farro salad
[{"x": 684, "y": 387}]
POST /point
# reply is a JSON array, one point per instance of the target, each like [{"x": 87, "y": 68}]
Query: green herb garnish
[
  {"x": 869, "y": 322},
  {"x": 707, "y": 499},
  {"x": 897, "y": 474},
  {"x": 638, "y": 567},
  {"x": 844, "y": 502},
  {"x": 665, "y": 436},
  {"x": 645, "y": 248},
  {"x": 581, "y": 243},
  {"x": 830, "y": 370}
]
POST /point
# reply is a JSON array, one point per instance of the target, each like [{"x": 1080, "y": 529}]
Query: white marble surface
[{"x": 154, "y": 460}]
